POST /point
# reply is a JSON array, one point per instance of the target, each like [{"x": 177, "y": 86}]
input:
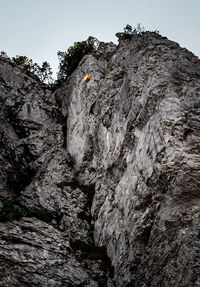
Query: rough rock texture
[
  {"x": 130, "y": 138},
  {"x": 45, "y": 230}
]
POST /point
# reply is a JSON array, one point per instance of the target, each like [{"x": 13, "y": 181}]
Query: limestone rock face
[
  {"x": 100, "y": 180},
  {"x": 45, "y": 219}
]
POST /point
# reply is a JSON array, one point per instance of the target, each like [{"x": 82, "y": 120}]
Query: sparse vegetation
[
  {"x": 69, "y": 60},
  {"x": 129, "y": 31},
  {"x": 4, "y": 55},
  {"x": 138, "y": 30},
  {"x": 12, "y": 211},
  {"x": 23, "y": 62},
  {"x": 44, "y": 72}
]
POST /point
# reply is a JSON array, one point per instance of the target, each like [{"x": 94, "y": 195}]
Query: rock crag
[{"x": 99, "y": 181}]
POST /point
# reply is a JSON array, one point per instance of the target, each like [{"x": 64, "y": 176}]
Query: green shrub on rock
[{"x": 69, "y": 60}]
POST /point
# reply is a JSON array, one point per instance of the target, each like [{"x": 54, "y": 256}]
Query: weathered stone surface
[
  {"x": 28, "y": 127},
  {"x": 34, "y": 253},
  {"x": 45, "y": 230},
  {"x": 134, "y": 130},
  {"x": 130, "y": 138}
]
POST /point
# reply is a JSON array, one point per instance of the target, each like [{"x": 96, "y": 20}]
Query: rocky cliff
[{"x": 99, "y": 180}]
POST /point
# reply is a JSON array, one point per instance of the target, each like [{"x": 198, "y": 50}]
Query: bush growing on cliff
[
  {"x": 3, "y": 55},
  {"x": 69, "y": 60},
  {"x": 138, "y": 30},
  {"x": 44, "y": 72},
  {"x": 129, "y": 31},
  {"x": 23, "y": 62}
]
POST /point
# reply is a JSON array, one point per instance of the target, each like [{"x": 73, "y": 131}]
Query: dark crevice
[
  {"x": 88, "y": 190},
  {"x": 21, "y": 173},
  {"x": 19, "y": 158},
  {"x": 85, "y": 251},
  {"x": 89, "y": 252},
  {"x": 62, "y": 120},
  {"x": 92, "y": 108}
]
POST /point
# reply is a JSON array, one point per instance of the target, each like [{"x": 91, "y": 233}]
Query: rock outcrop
[{"x": 99, "y": 181}]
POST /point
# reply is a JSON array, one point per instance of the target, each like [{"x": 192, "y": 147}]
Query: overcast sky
[{"x": 39, "y": 28}]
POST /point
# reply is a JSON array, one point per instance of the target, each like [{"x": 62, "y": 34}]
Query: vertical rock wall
[
  {"x": 133, "y": 130},
  {"x": 99, "y": 181}
]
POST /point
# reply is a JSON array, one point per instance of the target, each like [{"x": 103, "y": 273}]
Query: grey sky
[{"x": 39, "y": 28}]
